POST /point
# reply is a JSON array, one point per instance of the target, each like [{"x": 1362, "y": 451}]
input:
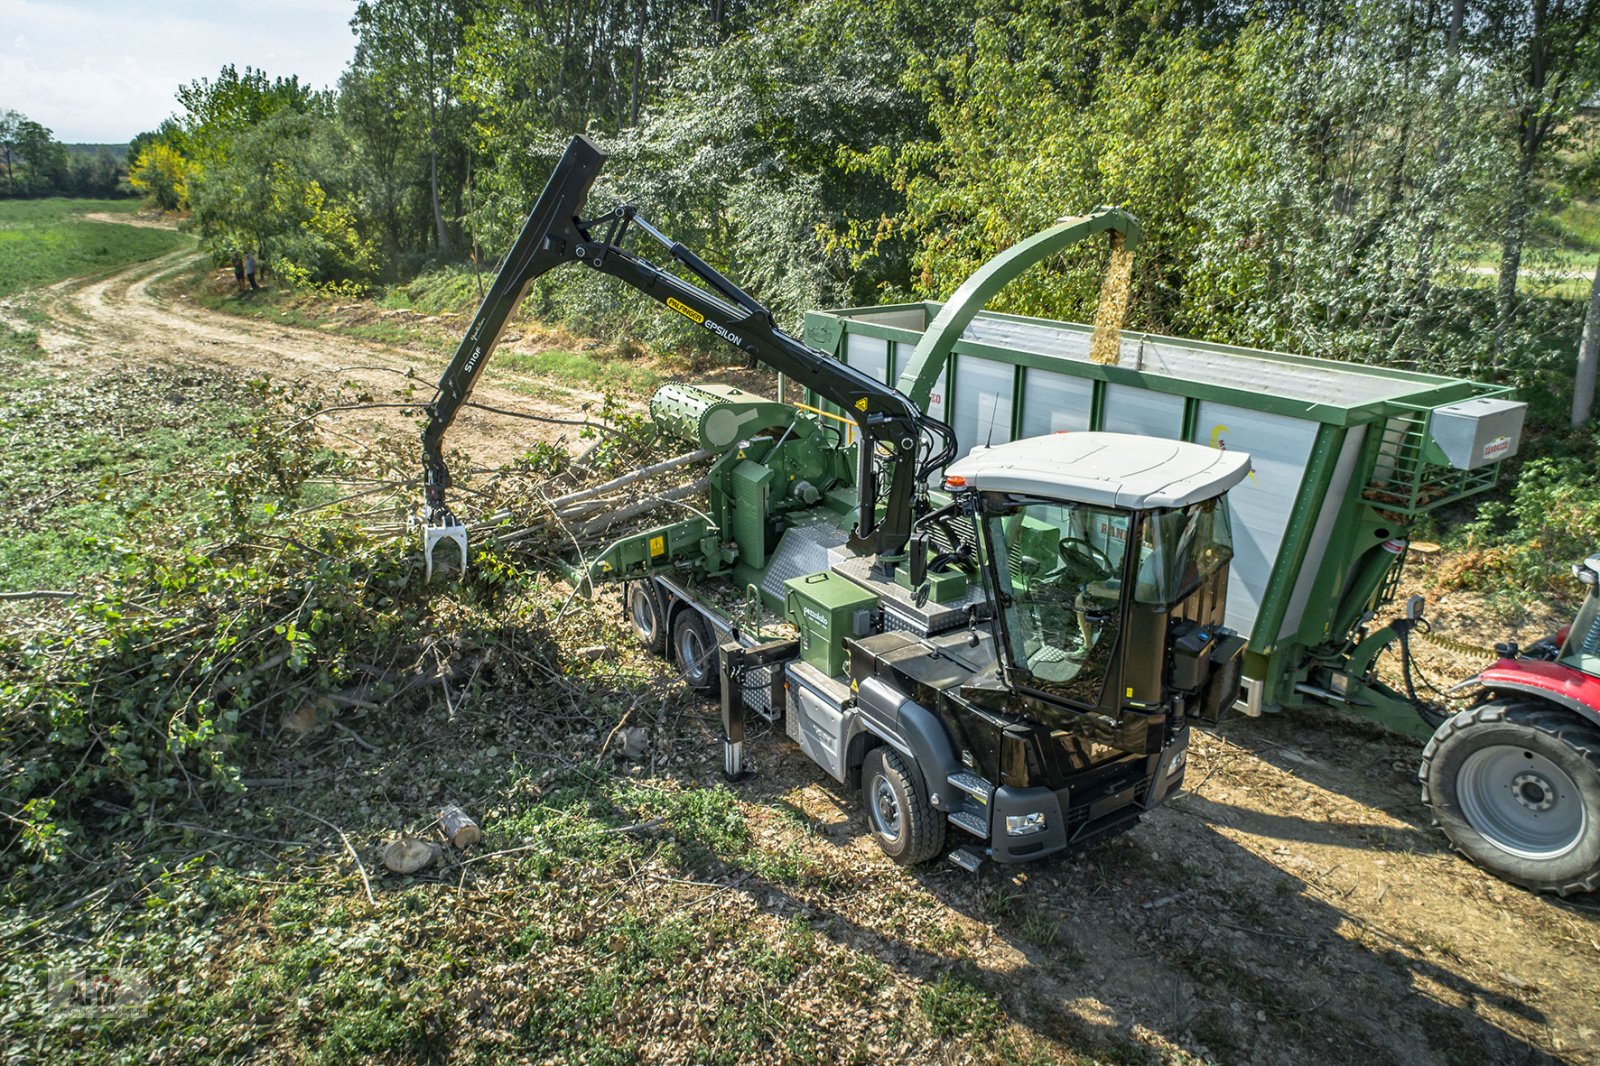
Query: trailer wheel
[
  {"x": 645, "y": 615},
  {"x": 908, "y": 829},
  {"x": 1515, "y": 784},
  {"x": 694, "y": 650}
]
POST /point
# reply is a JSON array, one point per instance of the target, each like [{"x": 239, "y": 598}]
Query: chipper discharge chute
[{"x": 1014, "y": 644}]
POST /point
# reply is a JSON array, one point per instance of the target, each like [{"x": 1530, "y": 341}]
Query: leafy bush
[
  {"x": 145, "y": 693},
  {"x": 1526, "y": 542}
]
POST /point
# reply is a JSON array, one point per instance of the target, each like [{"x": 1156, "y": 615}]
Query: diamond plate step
[
  {"x": 966, "y": 858},
  {"x": 972, "y": 785},
  {"x": 972, "y": 823}
]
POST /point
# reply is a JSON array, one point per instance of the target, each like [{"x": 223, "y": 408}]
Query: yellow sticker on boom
[
  {"x": 685, "y": 310},
  {"x": 658, "y": 546},
  {"x": 861, "y": 404}
]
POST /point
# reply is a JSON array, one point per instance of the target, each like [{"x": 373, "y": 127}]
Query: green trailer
[{"x": 1346, "y": 456}]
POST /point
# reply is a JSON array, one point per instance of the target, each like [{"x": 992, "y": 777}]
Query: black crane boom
[{"x": 892, "y": 428}]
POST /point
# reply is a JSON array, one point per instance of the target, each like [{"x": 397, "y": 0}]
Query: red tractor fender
[{"x": 1562, "y": 685}]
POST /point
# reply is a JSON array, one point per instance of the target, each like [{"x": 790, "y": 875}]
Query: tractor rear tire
[
  {"x": 647, "y": 615},
  {"x": 694, "y": 650},
  {"x": 903, "y": 821},
  {"x": 1515, "y": 784}
]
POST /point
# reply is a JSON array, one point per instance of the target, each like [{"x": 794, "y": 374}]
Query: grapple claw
[{"x": 433, "y": 532}]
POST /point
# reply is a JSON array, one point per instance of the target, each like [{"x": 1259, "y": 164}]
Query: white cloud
[{"x": 100, "y": 71}]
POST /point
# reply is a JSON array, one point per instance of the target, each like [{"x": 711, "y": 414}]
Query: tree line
[
  {"x": 33, "y": 163},
  {"x": 1370, "y": 179}
]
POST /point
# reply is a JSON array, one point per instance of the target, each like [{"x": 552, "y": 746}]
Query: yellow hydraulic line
[{"x": 850, "y": 425}]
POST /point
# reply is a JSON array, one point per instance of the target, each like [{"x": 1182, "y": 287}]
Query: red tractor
[{"x": 1514, "y": 780}]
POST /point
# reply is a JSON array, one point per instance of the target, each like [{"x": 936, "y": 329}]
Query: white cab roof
[{"x": 1104, "y": 469}]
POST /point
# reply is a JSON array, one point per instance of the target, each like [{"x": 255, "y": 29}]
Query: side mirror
[{"x": 917, "y": 551}]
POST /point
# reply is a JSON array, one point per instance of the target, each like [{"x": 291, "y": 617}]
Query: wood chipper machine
[{"x": 1013, "y": 644}]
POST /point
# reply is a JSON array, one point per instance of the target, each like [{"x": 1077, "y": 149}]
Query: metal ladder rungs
[
  {"x": 972, "y": 823},
  {"x": 967, "y": 858},
  {"x": 972, "y": 785}
]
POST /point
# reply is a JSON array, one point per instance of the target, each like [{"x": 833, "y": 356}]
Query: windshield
[
  {"x": 1181, "y": 548},
  {"x": 1061, "y": 565}
]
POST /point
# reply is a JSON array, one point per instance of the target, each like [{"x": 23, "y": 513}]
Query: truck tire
[
  {"x": 694, "y": 651},
  {"x": 1515, "y": 784},
  {"x": 647, "y": 615},
  {"x": 905, "y": 824}
]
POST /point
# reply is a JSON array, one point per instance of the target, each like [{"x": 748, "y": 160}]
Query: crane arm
[{"x": 892, "y": 428}]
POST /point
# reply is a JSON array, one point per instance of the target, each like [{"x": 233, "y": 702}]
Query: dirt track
[
  {"x": 1294, "y": 907},
  {"x": 126, "y": 317}
]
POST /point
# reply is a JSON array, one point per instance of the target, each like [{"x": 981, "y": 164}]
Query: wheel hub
[
  {"x": 1521, "y": 801},
  {"x": 886, "y": 809},
  {"x": 691, "y": 652},
  {"x": 1533, "y": 792}
]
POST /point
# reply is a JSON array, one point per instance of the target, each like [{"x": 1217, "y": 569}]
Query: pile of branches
[
  {"x": 147, "y": 692},
  {"x": 588, "y": 517}
]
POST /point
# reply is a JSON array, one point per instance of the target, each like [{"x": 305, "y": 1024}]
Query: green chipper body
[
  {"x": 1347, "y": 457},
  {"x": 775, "y": 460}
]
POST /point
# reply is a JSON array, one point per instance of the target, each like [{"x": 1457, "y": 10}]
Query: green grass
[
  {"x": 108, "y": 462},
  {"x": 44, "y": 241},
  {"x": 1577, "y": 226},
  {"x": 956, "y": 1006},
  {"x": 580, "y": 369}
]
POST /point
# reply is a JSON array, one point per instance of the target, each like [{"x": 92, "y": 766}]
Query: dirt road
[
  {"x": 1295, "y": 906},
  {"x": 129, "y": 318}
]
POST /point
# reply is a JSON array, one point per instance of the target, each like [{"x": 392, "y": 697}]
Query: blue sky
[{"x": 101, "y": 71}]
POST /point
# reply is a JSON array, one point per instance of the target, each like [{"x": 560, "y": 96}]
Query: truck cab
[{"x": 1102, "y": 560}]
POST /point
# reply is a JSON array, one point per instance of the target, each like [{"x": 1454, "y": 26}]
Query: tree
[
  {"x": 214, "y": 111},
  {"x": 1553, "y": 48},
  {"x": 161, "y": 173},
  {"x": 282, "y": 189},
  {"x": 10, "y": 121},
  {"x": 409, "y": 48},
  {"x": 35, "y": 162},
  {"x": 1588, "y": 357}
]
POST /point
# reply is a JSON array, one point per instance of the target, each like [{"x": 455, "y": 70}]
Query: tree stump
[{"x": 459, "y": 830}]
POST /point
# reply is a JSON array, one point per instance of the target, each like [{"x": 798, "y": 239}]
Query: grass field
[
  {"x": 44, "y": 241},
  {"x": 105, "y": 463}
]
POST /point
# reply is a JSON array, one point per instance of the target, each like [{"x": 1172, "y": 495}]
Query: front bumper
[{"x": 1098, "y": 805}]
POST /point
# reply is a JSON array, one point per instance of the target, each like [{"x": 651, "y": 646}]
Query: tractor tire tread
[{"x": 1579, "y": 734}]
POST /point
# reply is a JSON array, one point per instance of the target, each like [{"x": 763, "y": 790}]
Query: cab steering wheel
[{"x": 1074, "y": 551}]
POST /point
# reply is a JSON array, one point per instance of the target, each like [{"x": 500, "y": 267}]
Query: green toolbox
[{"x": 827, "y": 609}]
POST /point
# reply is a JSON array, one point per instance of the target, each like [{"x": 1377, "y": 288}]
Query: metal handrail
[{"x": 850, "y": 425}]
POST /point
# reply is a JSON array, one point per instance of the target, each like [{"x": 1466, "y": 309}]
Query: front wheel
[
  {"x": 1515, "y": 785},
  {"x": 905, "y": 824}
]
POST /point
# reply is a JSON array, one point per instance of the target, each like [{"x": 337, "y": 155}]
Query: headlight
[
  {"x": 1179, "y": 761},
  {"x": 1021, "y": 825}
]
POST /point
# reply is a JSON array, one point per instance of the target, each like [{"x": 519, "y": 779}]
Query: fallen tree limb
[
  {"x": 600, "y": 525},
  {"x": 365, "y": 882},
  {"x": 561, "y": 502}
]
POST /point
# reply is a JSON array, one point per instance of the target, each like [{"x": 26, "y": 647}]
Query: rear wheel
[
  {"x": 694, "y": 650},
  {"x": 907, "y": 827},
  {"x": 645, "y": 615},
  {"x": 1515, "y": 785}
]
